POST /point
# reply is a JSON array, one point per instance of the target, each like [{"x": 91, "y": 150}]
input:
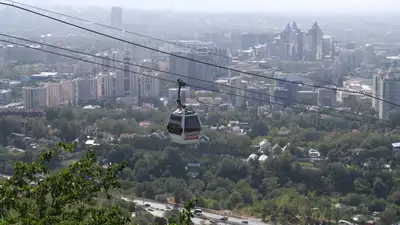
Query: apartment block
[
  {"x": 68, "y": 92},
  {"x": 86, "y": 89},
  {"x": 34, "y": 97},
  {"x": 54, "y": 94},
  {"x": 5, "y": 97},
  {"x": 149, "y": 84}
]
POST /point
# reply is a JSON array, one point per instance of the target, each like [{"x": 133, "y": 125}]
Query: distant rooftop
[
  {"x": 46, "y": 35},
  {"x": 17, "y": 46},
  {"x": 34, "y": 86},
  {"x": 193, "y": 42},
  {"x": 396, "y": 144},
  {"x": 393, "y": 57},
  {"x": 91, "y": 107},
  {"x": 45, "y": 74},
  {"x": 4, "y": 91}
]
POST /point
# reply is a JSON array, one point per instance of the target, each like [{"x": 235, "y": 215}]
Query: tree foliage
[
  {"x": 357, "y": 166},
  {"x": 35, "y": 195}
]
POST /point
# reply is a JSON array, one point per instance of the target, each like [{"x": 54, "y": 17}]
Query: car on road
[
  {"x": 168, "y": 207},
  {"x": 345, "y": 222},
  {"x": 360, "y": 218},
  {"x": 224, "y": 218},
  {"x": 198, "y": 211},
  {"x": 245, "y": 222},
  {"x": 150, "y": 209},
  {"x": 147, "y": 205}
]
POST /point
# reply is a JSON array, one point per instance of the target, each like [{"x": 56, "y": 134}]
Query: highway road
[{"x": 159, "y": 209}]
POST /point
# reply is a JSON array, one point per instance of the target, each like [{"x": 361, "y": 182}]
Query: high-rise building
[
  {"x": 291, "y": 43},
  {"x": 347, "y": 59},
  {"x": 110, "y": 84},
  {"x": 369, "y": 54},
  {"x": 68, "y": 92},
  {"x": 149, "y": 85},
  {"x": 116, "y": 56},
  {"x": 237, "y": 97},
  {"x": 328, "y": 47},
  {"x": 221, "y": 56},
  {"x": 105, "y": 85},
  {"x": 376, "y": 82},
  {"x": 34, "y": 97},
  {"x": 247, "y": 41},
  {"x": 194, "y": 69},
  {"x": 126, "y": 79},
  {"x": 294, "y": 44},
  {"x": 127, "y": 75},
  {"x": 5, "y": 97},
  {"x": 389, "y": 90},
  {"x": 292, "y": 89},
  {"x": 130, "y": 78},
  {"x": 86, "y": 89},
  {"x": 279, "y": 97},
  {"x": 54, "y": 94},
  {"x": 327, "y": 96},
  {"x": 316, "y": 36},
  {"x": 116, "y": 17},
  {"x": 105, "y": 60}
]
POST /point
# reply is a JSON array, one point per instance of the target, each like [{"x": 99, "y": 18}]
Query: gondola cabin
[{"x": 184, "y": 126}]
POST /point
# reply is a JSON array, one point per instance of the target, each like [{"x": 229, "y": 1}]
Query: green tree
[
  {"x": 389, "y": 216},
  {"x": 394, "y": 117},
  {"x": 258, "y": 128},
  {"x": 186, "y": 215},
  {"x": 63, "y": 197}
]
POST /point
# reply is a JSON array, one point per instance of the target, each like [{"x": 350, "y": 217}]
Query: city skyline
[
  {"x": 269, "y": 107},
  {"x": 316, "y": 6}
]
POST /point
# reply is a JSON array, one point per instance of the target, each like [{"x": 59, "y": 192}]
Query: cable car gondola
[{"x": 184, "y": 126}]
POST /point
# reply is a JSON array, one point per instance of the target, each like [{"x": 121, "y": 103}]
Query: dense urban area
[{"x": 298, "y": 117}]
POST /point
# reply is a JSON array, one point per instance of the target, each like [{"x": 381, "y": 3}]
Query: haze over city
[
  {"x": 294, "y": 6},
  {"x": 251, "y": 112}
]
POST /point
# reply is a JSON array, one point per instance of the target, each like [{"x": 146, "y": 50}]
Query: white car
[
  {"x": 344, "y": 222},
  {"x": 359, "y": 218}
]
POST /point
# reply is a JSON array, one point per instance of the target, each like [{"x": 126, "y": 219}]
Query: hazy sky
[{"x": 241, "y": 5}]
